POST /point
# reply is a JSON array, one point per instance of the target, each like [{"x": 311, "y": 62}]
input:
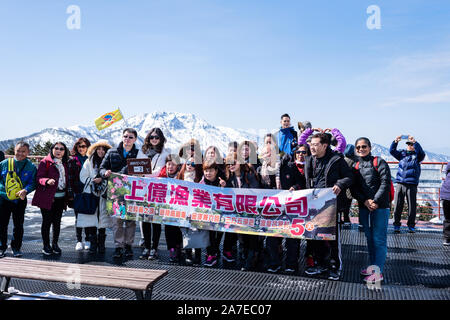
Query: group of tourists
[{"x": 311, "y": 158}]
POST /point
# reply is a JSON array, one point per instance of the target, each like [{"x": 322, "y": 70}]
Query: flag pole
[{"x": 124, "y": 119}]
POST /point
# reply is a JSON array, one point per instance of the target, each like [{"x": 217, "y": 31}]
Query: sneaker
[
  {"x": 56, "y": 249},
  {"x": 228, "y": 256},
  {"x": 446, "y": 242},
  {"x": 411, "y": 230},
  {"x": 87, "y": 245},
  {"x": 2, "y": 253},
  {"x": 315, "y": 270},
  {"x": 141, "y": 243},
  {"x": 79, "y": 246},
  {"x": 145, "y": 254},
  {"x": 334, "y": 274},
  {"x": 373, "y": 278},
  {"x": 128, "y": 251},
  {"x": 47, "y": 250},
  {"x": 188, "y": 260},
  {"x": 118, "y": 253},
  {"x": 173, "y": 256},
  {"x": 347, "y": 225},
  {"x": 360, "y": 227},
  {"x": 274, "y": 269},
  {"x": 17, "y": 253},
  {"x": 289, "y": 269},
  {"x": 310, "y": 262},
  {"x": 153, "y": 254},
  {"x": 211, "y": 261},
  {"x": 396, "y": 229}
]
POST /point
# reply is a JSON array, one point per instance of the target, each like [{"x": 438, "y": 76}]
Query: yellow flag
[{"x": 108, "y": 119}]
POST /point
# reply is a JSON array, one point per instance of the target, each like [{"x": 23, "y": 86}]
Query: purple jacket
[
  {"x": 445, "y": 189},
  {"x": 335, "y": 132},
  {"x": 45, "y": 194}
]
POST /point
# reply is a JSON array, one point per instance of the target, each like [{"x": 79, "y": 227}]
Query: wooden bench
[{"x": 141, "y": 281}]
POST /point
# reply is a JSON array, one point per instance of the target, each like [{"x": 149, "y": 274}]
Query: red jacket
[{"x": 45, "y": 194}]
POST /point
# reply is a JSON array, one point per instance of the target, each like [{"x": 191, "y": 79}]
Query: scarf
[{"x": 62, "y": 174}]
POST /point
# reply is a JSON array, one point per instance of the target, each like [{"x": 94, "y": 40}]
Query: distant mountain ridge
[{"x": 178, "y": 128}]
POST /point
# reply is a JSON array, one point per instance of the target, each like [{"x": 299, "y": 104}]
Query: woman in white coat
[
  {"x": 92, "y": 181},
  {"x": 153, "y": 148}
]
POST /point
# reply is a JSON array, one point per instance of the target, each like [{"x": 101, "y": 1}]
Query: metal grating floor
[{"x": 417, "y": 268}]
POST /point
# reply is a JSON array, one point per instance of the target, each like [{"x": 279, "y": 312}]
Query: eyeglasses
[
  {"x": 154, "y": 137},
  {"x": 59, "y": 149},
  {"x": 361, "y": 147},
  {"x": 129, "y": 137},
  {"x": 83, "y": 146}
]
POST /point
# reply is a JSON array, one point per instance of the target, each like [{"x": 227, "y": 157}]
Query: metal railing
[{"x": 429, "y": 188}]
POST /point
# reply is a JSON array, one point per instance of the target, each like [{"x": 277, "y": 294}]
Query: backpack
[
  {"x": 375, "y": 165},
  {"x": 12, "y": 184}
]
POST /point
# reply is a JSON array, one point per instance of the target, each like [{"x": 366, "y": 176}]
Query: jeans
[
  {"x": 446, "y": 229},
  {"x": 18, "y": 213},
  {"x": 375, "y": 228}
]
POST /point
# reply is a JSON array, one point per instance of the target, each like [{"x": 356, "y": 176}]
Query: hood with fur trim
[{"x": 101, "y": 143}]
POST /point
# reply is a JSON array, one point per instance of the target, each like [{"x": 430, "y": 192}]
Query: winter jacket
[
  {"x": 88, "y": 174},
  {"x": 26, "y": 171},
  {"x": 285, "y": 138},
  {"x": 290, "y": 175},
  {"x": 74, "y": 165},
  {"x": 158, "y": 160},
  {"x": 341, "y": 145},
  {"x": 252, "y": 181},
  {"x": 445, "y": 189},
  {"x": 409, "y": 163},
  {"x": 370, "y": 183},
  {"x": 115, "y": 161},
  {"x": 45, "y": 194},
  {"x": 336, "y": 172}
]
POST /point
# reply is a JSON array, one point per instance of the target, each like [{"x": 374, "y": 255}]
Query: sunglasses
[
  {"x": 129, "y": 137},
  {"x": 361, "y": 147},
  {"x": 154, "y": 138},
  {"x": 83, "y": 146},
  {"x": 409, "y": 143},
  {"x": 301, "y": 152},
  {"x": 190, "y": 164},
  {"x": 59, "y": 149}
]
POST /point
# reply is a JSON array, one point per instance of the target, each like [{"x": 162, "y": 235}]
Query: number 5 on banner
[{"x": 297, "y": 228}]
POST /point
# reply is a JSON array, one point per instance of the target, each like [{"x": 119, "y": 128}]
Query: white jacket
[
  {"x": 99, "y": 220},
  {"x": 158, "y": 161}
]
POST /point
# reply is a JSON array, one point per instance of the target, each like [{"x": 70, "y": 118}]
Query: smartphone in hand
[{"x": 404, "y": 137}]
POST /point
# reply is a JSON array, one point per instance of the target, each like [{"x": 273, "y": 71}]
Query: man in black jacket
[
  {"x": 327, "y": 169},
  {"x": 116, "y": 161}
]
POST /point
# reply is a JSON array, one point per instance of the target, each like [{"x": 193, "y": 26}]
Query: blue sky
[{"x": 235, "y": 63}]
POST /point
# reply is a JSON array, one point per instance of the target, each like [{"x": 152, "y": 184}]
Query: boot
[{"x": 101, "y": 243}]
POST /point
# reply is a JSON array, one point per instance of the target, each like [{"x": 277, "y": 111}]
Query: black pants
[
  {"x": 275, "y": 251},
  {"x": 174, "y": 237},
  {"x": 346, "y": 209},
  {"x": 147, "y": 231},
  {"x": 446, "y": 230},
  {"x": 51, "y": 218},
  {"x": 327, "y": 252},
  {"x": 410, "y": 191},
  {"x": 214, "y": 237},
  {"x": 18, "y": 213}
]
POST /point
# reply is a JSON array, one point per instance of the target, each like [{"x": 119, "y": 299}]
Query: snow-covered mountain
[{"x": 178, "y": 129}]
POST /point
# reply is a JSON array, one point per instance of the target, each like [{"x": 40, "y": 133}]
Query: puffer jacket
[
  {"x": 409, "y": 163},
  {"x": 370, "y": 183},
  {"x": 445, "y": 189},
  {"x": 115, "y": 161},
  {"x": 337, "y": 172}
]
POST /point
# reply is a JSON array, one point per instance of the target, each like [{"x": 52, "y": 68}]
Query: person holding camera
[{"x": 407, "y": 180}]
